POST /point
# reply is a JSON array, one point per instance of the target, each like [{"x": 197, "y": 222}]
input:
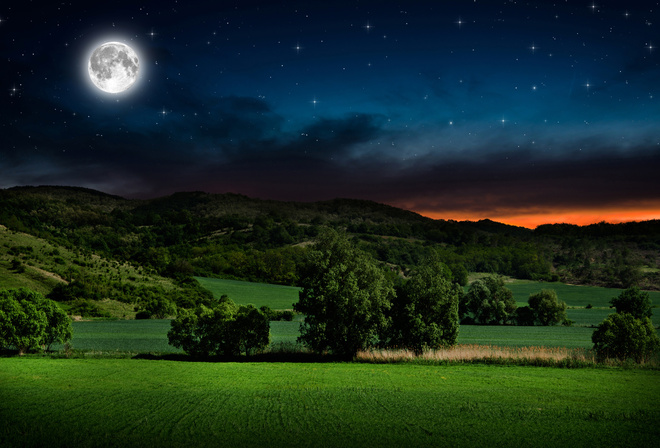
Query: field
[
  {"x": 120, "y": 402},
  {"x": 573, "y": 295},
  {"x": 576, "y": 297},
  {"x": 151, "y": 335},
  {"x": 137, "y": 336},
  {"x": 258, "y": 294}
]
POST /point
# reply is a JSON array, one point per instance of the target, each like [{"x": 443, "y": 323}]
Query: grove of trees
[
  {"x": 223, "y": 330},
  {"x": 351, "y": 305}
]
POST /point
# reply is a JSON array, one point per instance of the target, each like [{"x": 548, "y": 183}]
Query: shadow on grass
[{"x": 260, "y": 358}]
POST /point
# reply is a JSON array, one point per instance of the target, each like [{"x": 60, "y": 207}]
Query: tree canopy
[
  {"x": 225, "y": 329},
  {"x": 547, "y": 308},
  {"x": 344, "y": 298},
  {"x": 425, "y": 311},
  {"x": 488, "y": 301},
  {"x": 633, "y": 301},
  {"x": 29, "y": 321},
  {"x": 623, "y": 336}
]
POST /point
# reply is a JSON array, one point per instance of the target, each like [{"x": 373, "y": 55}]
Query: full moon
[{"x": 113, "y": 67}]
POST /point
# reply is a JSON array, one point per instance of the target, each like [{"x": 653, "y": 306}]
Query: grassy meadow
[
  {"x": 276, "y": 297},
  {"x": 120, "y": 402},
  {"x": 150, "y": 336}
]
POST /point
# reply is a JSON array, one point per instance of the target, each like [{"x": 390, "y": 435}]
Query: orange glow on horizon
[{"x": 532, "y": 220}]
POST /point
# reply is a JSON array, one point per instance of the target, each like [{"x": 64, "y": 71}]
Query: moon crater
[{"x": 113, "y": 67}]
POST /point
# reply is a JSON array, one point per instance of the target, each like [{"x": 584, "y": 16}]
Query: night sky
[{"x": 522, "y": 112}]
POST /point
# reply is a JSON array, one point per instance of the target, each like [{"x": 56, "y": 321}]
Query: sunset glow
[{"x": 531, "y": 221}]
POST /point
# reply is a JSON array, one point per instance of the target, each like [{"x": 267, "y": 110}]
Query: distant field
[
  {"x": 579, "y": 296},
  {"x": 573, "y": 295},
  {"x": 151, "y": 336},
  {"x": 258, "y": 294},
  {"x": 125, "y": 402}
]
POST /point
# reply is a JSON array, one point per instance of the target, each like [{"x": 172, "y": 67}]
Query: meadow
[
  {"x": 276, "y": 297},
  {"x": 123, "y": 402},
  {"x": 150, "y": 336}
]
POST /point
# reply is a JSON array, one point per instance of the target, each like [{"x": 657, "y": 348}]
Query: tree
[
  {"x": 225, "y": 329},
  {"x": 28, "y": 320},
  {"x": 547, "y": 308},
  {"x": 489, "y": 301},
  {"x": 58, "y": 325},
  {"x": 524, "y": 316},
  {"x": 250, "y": 330},
  {"x": 633, "y": 301},
  {"x": 623, "y": 336},
  {"x": 344, "y": 298},
  {"x": 425, "y": 311}
]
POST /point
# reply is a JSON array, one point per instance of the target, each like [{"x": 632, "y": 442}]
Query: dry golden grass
[{"x": 488, "y": 353}]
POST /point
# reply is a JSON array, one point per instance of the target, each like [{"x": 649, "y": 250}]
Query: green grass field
[
  {"x": 573, "y": 295},
  {"x": 124, "y": 402},
  {"x": 258, "y": 294},
  {"x": 283, "y": 297},
  {"x": 150, "y": 336}
]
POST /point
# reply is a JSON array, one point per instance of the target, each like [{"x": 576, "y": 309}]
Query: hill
[{"x": 237, "y": 237}]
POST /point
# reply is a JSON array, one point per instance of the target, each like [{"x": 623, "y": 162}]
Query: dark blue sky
[{"x": 523, "y": 112}]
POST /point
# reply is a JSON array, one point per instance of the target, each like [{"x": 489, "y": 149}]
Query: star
[
  {"x": 650, "y": 47},
  {"x": 533, "y": 48},
  {"x": 314, "y": 102},
  {"x": 298, "y": 48},
  {"x": 459, "y": 22},
  {"x": 593, "y": 7},
  {"x": 368, "y": 27},
  {"x": 152, "y": 34}
]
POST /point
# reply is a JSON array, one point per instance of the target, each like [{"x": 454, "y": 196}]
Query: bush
[
  {"x": 286, "y": 315},
  {"x": 623, "y": 336},
  {"x": 633, "y": 301},
  {"x": 157, "y": 307},
  {"x": 144, "y": 314},
  {"x": 85, "y": 308},
  {"x": 547, "y": 308}
]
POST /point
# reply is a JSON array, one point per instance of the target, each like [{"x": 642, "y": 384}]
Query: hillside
[{"x": 234, "y": 236}]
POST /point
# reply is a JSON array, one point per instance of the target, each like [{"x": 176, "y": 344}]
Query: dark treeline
[{"x": 233, "y": 236}]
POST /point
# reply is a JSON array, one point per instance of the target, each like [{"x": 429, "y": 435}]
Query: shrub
[
  {"x": 85, "y": 308},
  {"x": 623, "y": 336},
  {"x": 143, "y": 314}
]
